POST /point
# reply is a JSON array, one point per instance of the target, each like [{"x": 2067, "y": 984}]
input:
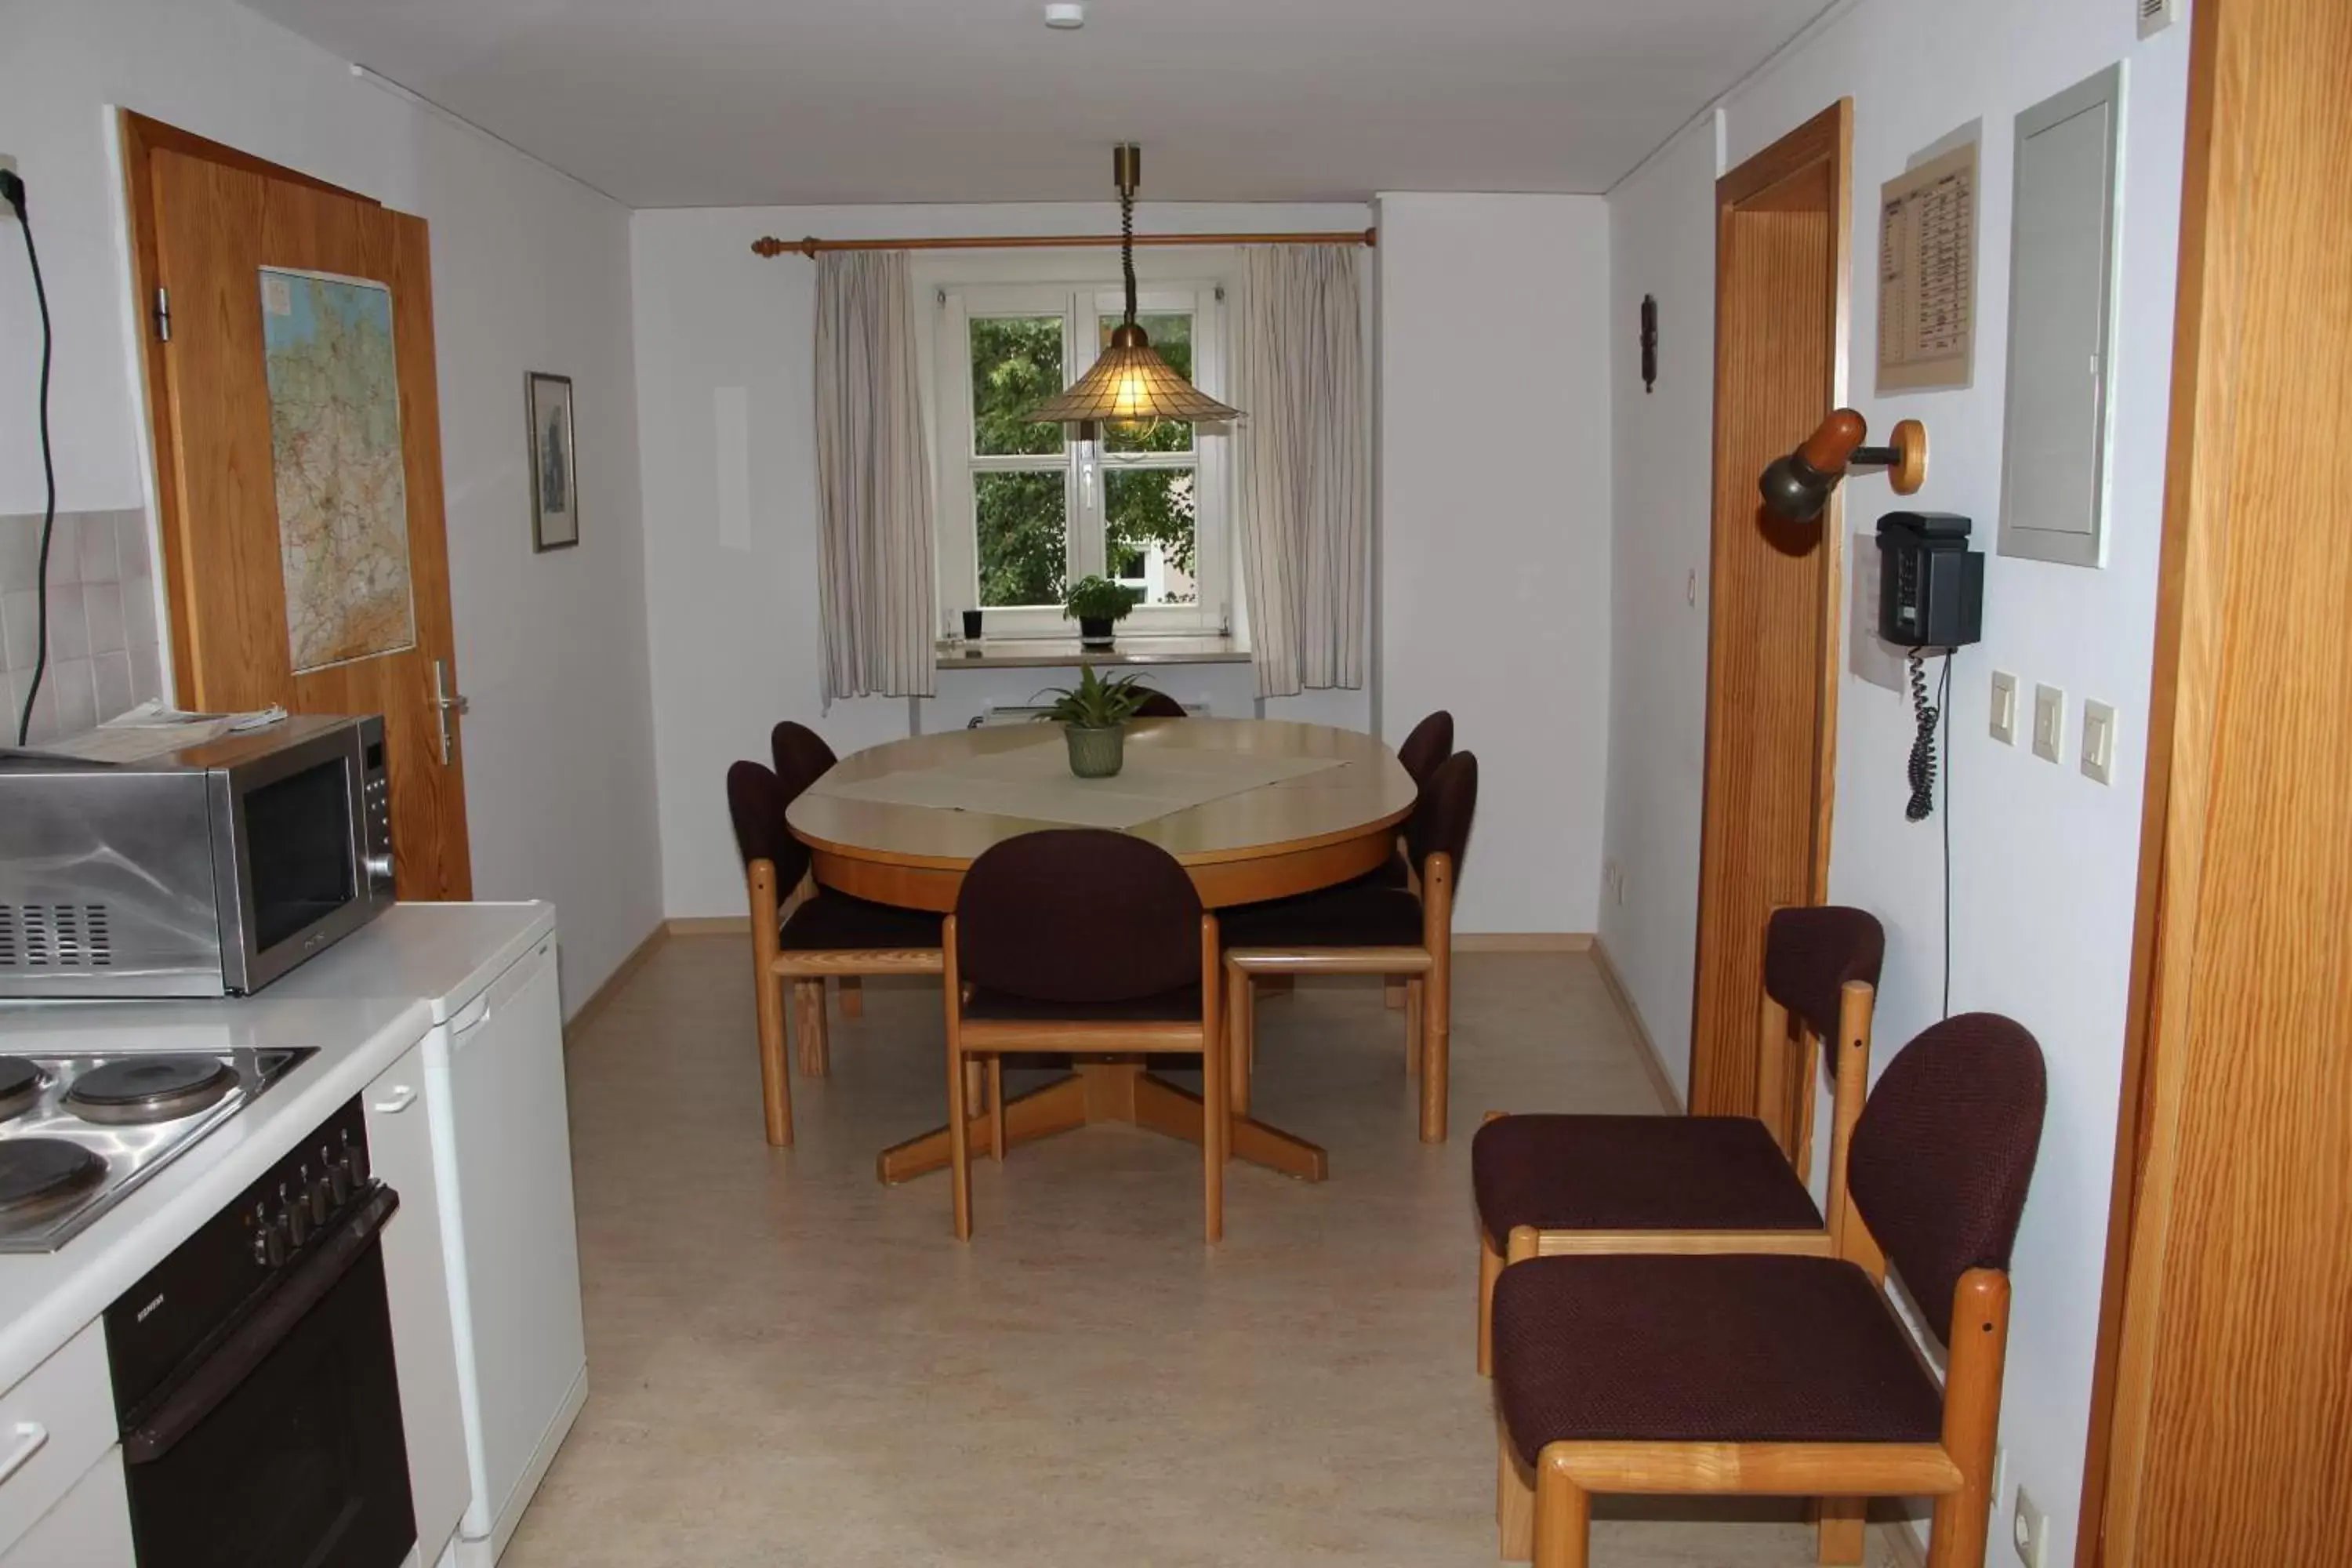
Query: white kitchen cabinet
[
  {"x": 416, "y": 1281},
  {"x": 90, "y": 1527}
]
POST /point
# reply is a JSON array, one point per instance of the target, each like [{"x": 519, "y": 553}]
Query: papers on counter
[{"x": 153, "y": 729}]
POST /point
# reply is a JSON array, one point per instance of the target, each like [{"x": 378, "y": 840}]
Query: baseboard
[
  {"x": 1903, "y": 1543},
  {"x": 1522, "y": 941},
  {"x": 603, "y": 996},
  {"x": 709, "y": 925},
  {"x": 1652, "y": 1062}
]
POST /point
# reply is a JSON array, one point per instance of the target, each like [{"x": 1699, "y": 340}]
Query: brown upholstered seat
[
  {"x": 1160, "y": 705},
  {"x": 1635, "y": 1173},
  {"x": 1180, "y": 1005},
  {"x": 1811, "y": 951},
  {"x": 835, "y": 922},
  {"x": 1370, "y": 926},
  {"x": 1366, "y": 912},
  {"x": 1691, "y": 1372},
  {"x": 1430, "y": 742},
  {"x": 803, "y": 944},
  {"x": 1753, "y": 1349}
]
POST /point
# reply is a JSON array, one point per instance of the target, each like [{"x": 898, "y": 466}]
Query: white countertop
[{"x": 361, "y": 1005}]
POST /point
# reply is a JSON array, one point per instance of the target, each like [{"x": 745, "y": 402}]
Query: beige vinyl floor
[{"x": 790, "y": 1364}]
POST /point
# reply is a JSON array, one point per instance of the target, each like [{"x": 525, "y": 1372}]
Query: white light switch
[
  {"x": 2004, "y": 707},
  {"x": 2098, "y": 741},
  {"x": 2049, "y": 723}
]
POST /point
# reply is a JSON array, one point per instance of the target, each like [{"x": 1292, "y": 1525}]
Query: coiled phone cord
[{"x": 1922, "y": 804}]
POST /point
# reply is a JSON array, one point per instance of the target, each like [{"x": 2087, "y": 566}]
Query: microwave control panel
[{"x": 375, "y": 804}]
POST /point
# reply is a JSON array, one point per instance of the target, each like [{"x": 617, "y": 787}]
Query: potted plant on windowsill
[
  {"x": 1098, "y": 605},
  {"x": 1093, "y": 715}
]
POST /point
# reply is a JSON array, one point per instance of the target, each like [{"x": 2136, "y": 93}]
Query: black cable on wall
[{"x": 12, "y": 190}]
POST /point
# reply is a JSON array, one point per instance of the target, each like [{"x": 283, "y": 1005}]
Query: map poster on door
[{"x": 342, "y": 493}]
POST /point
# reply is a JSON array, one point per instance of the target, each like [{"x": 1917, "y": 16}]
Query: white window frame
[{"x": 1085, "y": 463}]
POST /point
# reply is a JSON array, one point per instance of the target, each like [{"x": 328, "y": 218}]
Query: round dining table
[{"x": 1261, "y": 809}]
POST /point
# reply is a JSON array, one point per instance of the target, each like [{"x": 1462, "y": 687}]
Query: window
[{"x": 1024, "y": 512}]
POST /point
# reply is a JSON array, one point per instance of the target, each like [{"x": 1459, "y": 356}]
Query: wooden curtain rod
[{"x": 769, "y": 245}]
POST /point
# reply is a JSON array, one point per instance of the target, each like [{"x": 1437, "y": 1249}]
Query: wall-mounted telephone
[{"x": 1930, "y": 583}]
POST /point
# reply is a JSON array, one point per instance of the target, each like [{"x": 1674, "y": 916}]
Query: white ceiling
[{"x": 746, "y": 102}]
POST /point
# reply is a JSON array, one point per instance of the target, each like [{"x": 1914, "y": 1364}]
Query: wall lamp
[{"x": 1797, "y": 486}]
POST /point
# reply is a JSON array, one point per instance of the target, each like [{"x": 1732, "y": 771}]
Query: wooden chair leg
[
  {"x": 1216, "y": 1110},
  {"x": 775, "y": 1077},
  {"x": 996, "y": 1108},
  {"x": 1241, "y": 1027},
  {"x": 1490, "y": 1269},
  {"x": 1435, "y": 1049},
  {"x": 1843, "y": 1521},
  {"x": 1415, "y": 1042},
  {"x": 959, "y": 1142},
  {"x": 853, "y": 996},
  {"x": 1392, "y": 993},
  {"x": 1515, "y": 1501},
  {"x": 808, "y": 1018},
  {"x": 1979, "y": 1346},
  {"x": 1563, "y": 1519}
]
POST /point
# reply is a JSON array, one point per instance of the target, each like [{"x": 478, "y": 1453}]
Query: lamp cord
[
  {"x": 1127, "y": 247},
  {"x": 14, "y": 189}
]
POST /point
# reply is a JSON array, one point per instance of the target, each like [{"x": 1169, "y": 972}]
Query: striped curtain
[
  {"x": 876, "y": 580},
  {"x": 1303, "y": 452}
]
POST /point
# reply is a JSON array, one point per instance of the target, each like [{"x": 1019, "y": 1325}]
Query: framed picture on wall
[{"x": 554, "y": 473}]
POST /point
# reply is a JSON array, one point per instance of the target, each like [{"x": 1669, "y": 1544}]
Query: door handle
[
  {"x": 447, "y": 702},
  {"x": 400, "y": 1097}
]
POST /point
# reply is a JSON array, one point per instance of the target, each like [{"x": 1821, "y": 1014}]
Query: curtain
[
  {"x": 1303, "y": 452},
  {"x": 876, "y": 579}
]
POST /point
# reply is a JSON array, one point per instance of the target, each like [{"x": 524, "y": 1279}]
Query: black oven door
[{"x": 279, "y": 1443}]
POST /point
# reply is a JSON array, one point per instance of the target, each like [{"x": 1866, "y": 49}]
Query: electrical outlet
[
  {"x": 2029, "y": 1531},
  {"x": 2098, "y": 741},
  {"x": 2049, "y": 723},
  {"x": 2004, "y": 708}
]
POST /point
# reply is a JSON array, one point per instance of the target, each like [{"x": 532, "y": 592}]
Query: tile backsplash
[{"x": 105, "y": 647}]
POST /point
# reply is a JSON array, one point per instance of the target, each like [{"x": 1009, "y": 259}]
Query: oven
[{"x": 254, "y": 1377}]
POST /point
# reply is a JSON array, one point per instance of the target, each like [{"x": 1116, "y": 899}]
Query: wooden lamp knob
[{"x": 1825, "y": 451}]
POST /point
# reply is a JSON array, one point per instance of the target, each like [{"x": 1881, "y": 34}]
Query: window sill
[{"x": 1064, "y": 653}]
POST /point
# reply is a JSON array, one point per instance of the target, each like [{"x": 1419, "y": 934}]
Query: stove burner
[
  {"x": 20, "y": 1085},
  {"x": 149, "y": 1089},
  {"x": 38, "y": 1172}
]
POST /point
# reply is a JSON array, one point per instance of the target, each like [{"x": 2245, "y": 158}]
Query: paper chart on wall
[{"x": 1926, "y": 274}]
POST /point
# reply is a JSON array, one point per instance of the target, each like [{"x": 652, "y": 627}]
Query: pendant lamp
[{"x": 1131, "y": 383}]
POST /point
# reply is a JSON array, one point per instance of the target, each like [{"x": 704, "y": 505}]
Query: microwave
[{"x": 203, "y": 872}]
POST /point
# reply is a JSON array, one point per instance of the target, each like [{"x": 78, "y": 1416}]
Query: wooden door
[
  {"x": 2218, "y": 1435},
  {"x": 1771, "y": 703},
  {"x": 345, "y": 608}
]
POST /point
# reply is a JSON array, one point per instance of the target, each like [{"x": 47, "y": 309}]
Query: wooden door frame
[
  {"x": 142, "y": 137},
  {"x": 2205, "y": 638},
  {"x": 1824, "y": 141}
]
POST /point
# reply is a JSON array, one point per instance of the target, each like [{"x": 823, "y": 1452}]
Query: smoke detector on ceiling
[{"x": 1066, "y": 16}]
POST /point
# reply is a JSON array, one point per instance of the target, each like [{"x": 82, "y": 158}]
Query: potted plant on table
[
  {"x": 1098, "y": 605},
  {"x": 1093, "y": 715}
]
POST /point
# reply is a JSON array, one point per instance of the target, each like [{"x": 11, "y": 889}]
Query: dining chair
[
  {"x": 797, "y": 752},
  {"x": 1428, "y": 743},
  {"x": 1368, "y": 927},
  {"x": 1086, "y": 941},
  {"x": 1160, "y": 705},
  {"x": 1772, "y": 1374},
  {"x": 1547, "y": 1184},
  {"x": 821, "y": 933}
]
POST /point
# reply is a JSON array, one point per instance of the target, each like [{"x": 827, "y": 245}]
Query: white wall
[
  {"x": 1662, "y": 243},
  {"x": 2044, "y": 860},
  {"x": 1494, "y": 517},
  {"x": 531, "y": 270},
  {"x": 735, "y": 632}
]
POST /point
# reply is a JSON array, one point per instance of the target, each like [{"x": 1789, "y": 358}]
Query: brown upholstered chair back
[
  {"x": 1811, "y": 952},
  {"x": 1431, "y": 742},
  {"x": 755, "y": 803},
  {"x": 800, "y": 754},
  {"x": 1944, "y": 1152},
  {"x": 1160, "y": 705},
  {"x": 1078, "y": 915},
  {"x": 1441, "y": 820}
]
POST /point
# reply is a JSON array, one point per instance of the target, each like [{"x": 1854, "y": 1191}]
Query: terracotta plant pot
[{"x": 1096, "y": 753}]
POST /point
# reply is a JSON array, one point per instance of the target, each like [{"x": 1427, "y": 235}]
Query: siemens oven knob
[
  {"x": 339, "y": 1182},
  {"x": 378, "y": 868},
  {"x": 321, "y": 1196},
  {"x": 274, "y": 1244},
  {"x": 296, "y": 1217},
  {"x": 355, "y": 1157}
]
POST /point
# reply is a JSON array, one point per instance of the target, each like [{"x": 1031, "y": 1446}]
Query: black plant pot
[{"x": 1094, "y": 631}]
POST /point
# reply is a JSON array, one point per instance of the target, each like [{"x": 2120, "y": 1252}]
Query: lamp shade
[{"x": 1131, "y": 383}]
